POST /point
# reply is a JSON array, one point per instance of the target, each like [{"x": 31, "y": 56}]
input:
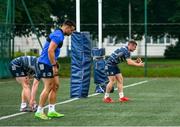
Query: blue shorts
[
  {"x": 112, "y": 70},
  {"x": 45, "y": 71},
  {"x": 17, "y": 71}
]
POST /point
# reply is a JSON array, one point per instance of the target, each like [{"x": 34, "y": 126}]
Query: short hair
[
  {"x": 69, "y": 23},
  {"x": 132, "y": 42}
]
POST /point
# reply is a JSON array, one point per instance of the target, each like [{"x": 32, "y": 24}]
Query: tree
[
  {"x": 115, "y": 13},
  {"x": 40, "y": 13},
  {"x": 172, "y": 51},
  {"x": 161, "y": 12},
  {"x": 64, "y": 9}
]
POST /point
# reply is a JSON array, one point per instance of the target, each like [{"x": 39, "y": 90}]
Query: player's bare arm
[
  {"x": 134, "y": 63},
  {"x": 51, "y": 55},
  {"x": 34, "y": 91}
]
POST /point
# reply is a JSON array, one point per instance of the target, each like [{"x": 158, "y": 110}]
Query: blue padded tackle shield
[
  {"x": 100, "y": 77},
  {"x": 80, "y": 64}
]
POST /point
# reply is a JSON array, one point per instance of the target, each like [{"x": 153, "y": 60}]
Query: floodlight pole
[
  {"x": 100, "y": 23},
  {"x": 78, "y": 15},
  {"x": 145, "y": 36}
]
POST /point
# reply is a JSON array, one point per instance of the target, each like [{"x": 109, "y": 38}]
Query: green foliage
[
  {"x": 63, "y": 9},
  {"x": 172, "y": 51},
  {"x": 32, "y": 54},
  {"x": 64, "y": 67},
  {"x": 163, "y": 11},
  {"x": 175, "y": 18},
  {"x": 64, "y": 60},
  {"x": 114, "y": 12},
  {"x": 40, "y": 13},
  {"x": 157, "y": 67},
  {"x": 19, "y": 53}
]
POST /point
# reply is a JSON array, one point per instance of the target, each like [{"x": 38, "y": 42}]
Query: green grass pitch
[{"x": 154, "y": 103}]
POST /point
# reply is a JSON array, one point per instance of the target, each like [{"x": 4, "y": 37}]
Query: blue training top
[
  {"x": 118, "y": 56},
  {"x": 28, "y": 63},
  {"x": 57, "y": 36}
]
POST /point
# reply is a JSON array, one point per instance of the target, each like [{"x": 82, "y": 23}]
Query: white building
[
  {"x": 27, "y": 44},
  {"x": 155, "y": 46}
]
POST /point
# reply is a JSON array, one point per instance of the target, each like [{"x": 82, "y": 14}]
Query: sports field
[{"x": 154, "y": 102}]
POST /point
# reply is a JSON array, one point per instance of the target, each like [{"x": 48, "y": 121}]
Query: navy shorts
[
  {"x": 45, "y": 71},
  {"x": 112, "y": 70},
  {"x": 17, "y": 71}
]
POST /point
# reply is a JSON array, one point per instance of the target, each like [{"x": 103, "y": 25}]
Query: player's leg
[
  {"x": 43, "y": 98},
  {"x": 25, "y": 94},
  {"x": 109, "y": 87},
  {"x": 119, "y": 79},
  {"x": 46, "y": 74},
  {"x": 32, "y": 104},
  {"x": 46, "y": 90},
  {"x": 53, "y": 93},
  {"x": 18, "y": 72},
  {"x": 52, "y": 99},
  {"x": 111, "y": 71}
]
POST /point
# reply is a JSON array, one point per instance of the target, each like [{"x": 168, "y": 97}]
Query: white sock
[
  {"x": 40, "y": 109},
  {"x": 106, "y": 95},
  {"x": 51, "y": 108},
  {"x": 23, "y": 105},
  {"x": 121, "y": 94}
]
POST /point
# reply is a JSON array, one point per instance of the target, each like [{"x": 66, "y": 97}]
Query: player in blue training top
[
  {"x": 23, "y": 68},
  {"x": 114, "y": 73},
  {"x": 49, "y": 69}
]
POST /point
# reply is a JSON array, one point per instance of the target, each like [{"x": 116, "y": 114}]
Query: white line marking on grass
[
  {"x": 134, "y": 84},
  {"x": 63, "y": 102},
  {"x": 70, "y": 100},
  {"x": 13, "y": 115}
]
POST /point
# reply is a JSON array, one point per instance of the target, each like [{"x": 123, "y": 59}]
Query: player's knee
[
  {"x": 26, "y": 86},
  {"x": 51, "y": 85},
  {"x": 55, "y": 87},
  {"x": 48, "y": 87},
  {"x": 112, "y": 81},
  {"x": 121, "y": 79}
]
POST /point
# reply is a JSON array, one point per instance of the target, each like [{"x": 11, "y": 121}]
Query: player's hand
[
  {"x": 141, "y": 64},
  {"x": 55, "y": 70},
  {"x": 138, "y": 60},
  {"x": 27, "y": 80}
]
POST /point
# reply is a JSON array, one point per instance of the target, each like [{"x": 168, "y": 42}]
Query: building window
[
  {"x": 161, "y": 39},
  {"x": 148, "y": 39},
  {"x": 168, "y": 39},
  {"x": 155, "y": 40}
]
